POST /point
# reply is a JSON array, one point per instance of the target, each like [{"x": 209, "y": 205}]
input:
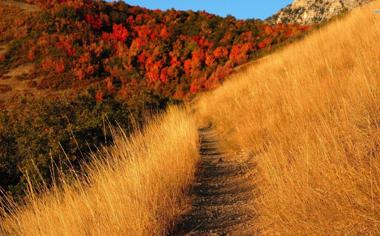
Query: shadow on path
[{"x": 222, "y": 195}]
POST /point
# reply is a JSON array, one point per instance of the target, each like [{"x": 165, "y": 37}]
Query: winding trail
[{"x": 222, "y": 195}]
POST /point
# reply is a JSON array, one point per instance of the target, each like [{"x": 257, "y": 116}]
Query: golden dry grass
[
  {"x": 311, "y": 116},
  {"x": 137, "y": 187}
]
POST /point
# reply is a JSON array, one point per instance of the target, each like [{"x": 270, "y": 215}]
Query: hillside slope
[
  {"x": 308, "y": 12},
  {"x": 66, "y": 67},
  {"x": 136, "y": 187},
  {"x": 127, "y": 51},
  {"x": 310, "y": 116}
]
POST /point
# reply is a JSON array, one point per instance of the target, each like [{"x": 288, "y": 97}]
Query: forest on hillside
[{"x": 110, "y": 61}]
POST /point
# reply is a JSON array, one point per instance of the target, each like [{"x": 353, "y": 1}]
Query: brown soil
[{"x": 223, "y": 194}]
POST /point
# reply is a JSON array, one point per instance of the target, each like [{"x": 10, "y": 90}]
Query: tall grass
[
  {"x": 311, "y": 116},
  {"x": 136, "y": 187}
]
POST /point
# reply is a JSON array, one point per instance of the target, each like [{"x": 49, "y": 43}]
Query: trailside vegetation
[{"x": 110, "y": 60}]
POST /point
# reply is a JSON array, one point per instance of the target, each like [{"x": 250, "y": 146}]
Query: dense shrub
[
  {"x": 79, "y": 42},
  {"x": 40, "y": 134}
]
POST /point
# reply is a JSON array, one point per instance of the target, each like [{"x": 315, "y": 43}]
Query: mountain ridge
[{"x": 314, "y": 11}]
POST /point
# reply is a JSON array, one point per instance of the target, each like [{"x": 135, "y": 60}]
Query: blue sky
[{"x": 241, "y": 9}]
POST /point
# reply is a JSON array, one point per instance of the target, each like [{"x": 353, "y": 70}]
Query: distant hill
[
  {"x": 124, "y": 50},
  {"x": 69, "y": 66},
  {"x": 308, "y": 12}
]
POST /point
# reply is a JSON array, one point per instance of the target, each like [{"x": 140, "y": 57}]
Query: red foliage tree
[
  {"x": 66, "y": 44},
  {"x": 119, "y": 33},
  {"x": 239, "y": 52},
  {"x": 164, "y": 33},
  {"x": 94, "y": 20},
  {"x": 109, "y": 85},
  {"x": 265, "y": 43},
  {"x": 198, "y": 57},
  {"x": 99, "y": 96},
  {"x": 164, "y": 75},
  {"x": 32, "y": 53},
  {"x": 220, "y": 52},
  {"x": 187, "y": 66},
  {"x": 59, "y": 66},
  {"x": 210, "y": 60},
  {"x": 153, "y": 71},
  {"x": 194, "y": 87}
]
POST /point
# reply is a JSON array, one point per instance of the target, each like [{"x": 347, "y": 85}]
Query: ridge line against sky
[{"x": 241, "y": 9}]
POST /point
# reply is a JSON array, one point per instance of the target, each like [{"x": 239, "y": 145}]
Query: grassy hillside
[
  {"x": 137, "y": 187},
  {"x": 310, "y": 116},
  {"x": 68, "y": 66}
]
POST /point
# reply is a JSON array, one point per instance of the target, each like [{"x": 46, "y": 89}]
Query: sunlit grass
[
  {"x": 310, "y": 114},
  {"x": 137, "y": 187}
]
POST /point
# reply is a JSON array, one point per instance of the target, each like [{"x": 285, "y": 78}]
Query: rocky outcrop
[{"x": 314, "y": 11}]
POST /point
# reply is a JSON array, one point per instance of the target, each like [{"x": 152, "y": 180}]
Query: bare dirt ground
[{"x": 222, "y": 195}]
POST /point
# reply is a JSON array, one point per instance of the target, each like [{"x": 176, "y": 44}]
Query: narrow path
[{"x": 222, "y": 195}]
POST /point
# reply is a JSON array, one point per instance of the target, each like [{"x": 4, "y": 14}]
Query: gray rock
[{"x": 308, "y": 12}]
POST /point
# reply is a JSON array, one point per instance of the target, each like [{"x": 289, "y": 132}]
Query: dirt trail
[{"x": 222, "y": 195}]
